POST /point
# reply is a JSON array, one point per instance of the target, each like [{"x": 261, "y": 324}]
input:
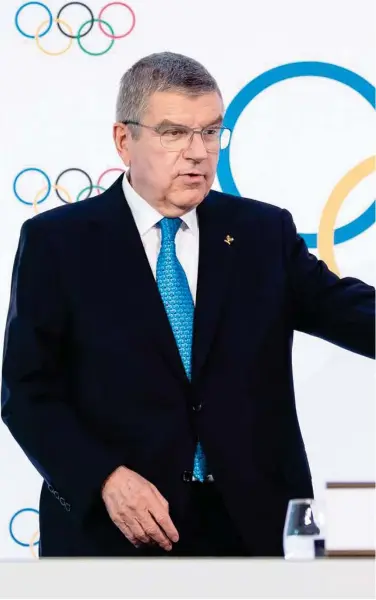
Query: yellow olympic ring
[
  {"x": 44, "y": 189},
  {"x": 31, "y": 544},
  {"x": 325, "y": 237},
  {"x": 42, "y": 25}
]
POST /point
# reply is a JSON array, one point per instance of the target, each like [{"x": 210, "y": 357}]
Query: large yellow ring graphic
[
  {"x": 43, "y": 191},
  {"x": 325, "y": 236},
  {"x": 32, "y": 542},
  {"x": 42, "y": 25}
]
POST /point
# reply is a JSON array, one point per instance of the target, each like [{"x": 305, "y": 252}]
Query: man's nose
[{"x": 196, "y": 149}]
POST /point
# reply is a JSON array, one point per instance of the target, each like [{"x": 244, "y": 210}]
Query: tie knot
[{"x": 169, "y": 228}]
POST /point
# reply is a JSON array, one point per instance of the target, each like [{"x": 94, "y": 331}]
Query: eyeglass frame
[{"x": 193, "y": 131}]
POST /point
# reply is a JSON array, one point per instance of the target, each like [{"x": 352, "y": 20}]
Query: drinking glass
[{"x": 304, "y": 530}]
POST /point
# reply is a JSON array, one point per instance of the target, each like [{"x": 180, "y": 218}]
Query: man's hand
[{"x": 138, "y": 509}]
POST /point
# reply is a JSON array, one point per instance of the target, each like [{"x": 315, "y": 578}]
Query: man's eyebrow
[
  {"x": 168, "y": 123},
  {"x": 217, "y": 121}
]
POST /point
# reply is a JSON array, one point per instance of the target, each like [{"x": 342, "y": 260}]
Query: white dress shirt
[{"x": 187, "y": 238}]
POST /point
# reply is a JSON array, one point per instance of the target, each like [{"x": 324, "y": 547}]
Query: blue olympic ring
[
  {"x": 50, "y": 18},
  {"x": 25, "y": 171},
  {"x": 276, "y": 75},
  {"x": 33, "y": 510}
]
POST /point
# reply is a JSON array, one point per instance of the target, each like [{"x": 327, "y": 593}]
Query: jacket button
[{"x": 187, "y": 476}]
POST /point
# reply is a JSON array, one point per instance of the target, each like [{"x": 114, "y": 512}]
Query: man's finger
[
  {"x": 128, "y": 533},
  {"x": 164, "y": 521},
  {"x": 161, "y": 515},
  {"x": 155, "y": 533},
  {"x": 139, "y": 532}
]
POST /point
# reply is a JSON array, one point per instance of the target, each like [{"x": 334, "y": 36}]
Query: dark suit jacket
[{"x": 92, "y": 377}]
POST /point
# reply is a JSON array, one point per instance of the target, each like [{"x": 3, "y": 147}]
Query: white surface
[
  {"x": 325, "y": 578},
  {"x": 351, "y": 519}
]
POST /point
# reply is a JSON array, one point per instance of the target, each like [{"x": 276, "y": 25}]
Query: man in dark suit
[{"x": 147, "y": 358}]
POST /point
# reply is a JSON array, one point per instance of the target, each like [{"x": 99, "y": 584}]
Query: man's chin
[{"x": 188, "y": 199}]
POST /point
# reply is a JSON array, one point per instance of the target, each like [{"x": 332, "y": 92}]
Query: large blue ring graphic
[
  {"x": 17, "y": 541},
  {"x": 25, "y": 171},
  {"x": 276, "y": 75},
  {"x": 50, "y": 18}
]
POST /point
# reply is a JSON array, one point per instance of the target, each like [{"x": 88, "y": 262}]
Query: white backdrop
[{"x": 302, "y": 127}]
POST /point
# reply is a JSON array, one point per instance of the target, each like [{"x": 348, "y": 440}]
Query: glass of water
[{"x": 304, "y": 531}]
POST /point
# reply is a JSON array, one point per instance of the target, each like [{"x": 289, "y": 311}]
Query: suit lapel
[
  {"x": 215, "y": 218},
  {"x": 125, "y": 263}
]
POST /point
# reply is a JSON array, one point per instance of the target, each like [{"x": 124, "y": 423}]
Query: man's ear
[{"x": 122, "y": 137}]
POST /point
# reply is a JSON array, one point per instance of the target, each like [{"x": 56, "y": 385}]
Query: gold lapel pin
[{"x": 228, "y": 239}]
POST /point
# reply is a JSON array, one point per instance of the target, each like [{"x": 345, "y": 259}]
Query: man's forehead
[{"x": 179, "y": 108}]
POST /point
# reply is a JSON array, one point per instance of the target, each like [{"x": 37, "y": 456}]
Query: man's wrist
[{"x": 110, "y": 476}]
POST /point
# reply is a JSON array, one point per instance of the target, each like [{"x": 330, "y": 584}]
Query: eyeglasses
[{"x": 178, "y": 137}]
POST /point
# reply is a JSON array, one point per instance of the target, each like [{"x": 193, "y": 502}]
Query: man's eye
[
  {"x": 174, "y": 132},
  {"x": 212, "y": 132}
]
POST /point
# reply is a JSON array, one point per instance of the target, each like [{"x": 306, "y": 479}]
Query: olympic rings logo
[
  {"x": 34, "y": 539},
  {"x": 327, "y": 236},
  {"x": 66, "y": 30},
  {"x": 61, "y": 191}
]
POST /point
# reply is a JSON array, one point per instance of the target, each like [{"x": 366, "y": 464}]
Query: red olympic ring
[
  {"x": 105, "y": 173},
  {"x": 123, "y": 35}
]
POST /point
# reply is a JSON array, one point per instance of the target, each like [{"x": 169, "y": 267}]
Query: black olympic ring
[
  {"x": 90, "y": 187},
  {"x": 75, "y": 37}
]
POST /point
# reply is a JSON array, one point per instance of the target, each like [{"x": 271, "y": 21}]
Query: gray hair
[{"x": 160, "y": 72}]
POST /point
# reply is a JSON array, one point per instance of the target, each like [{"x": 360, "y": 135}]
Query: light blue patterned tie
[{"x": 177, "y": 299}]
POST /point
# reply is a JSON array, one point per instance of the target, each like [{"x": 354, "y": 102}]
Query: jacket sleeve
[
  {"x": 339, "y": 310},
  {"x": 34, "y": 404}
]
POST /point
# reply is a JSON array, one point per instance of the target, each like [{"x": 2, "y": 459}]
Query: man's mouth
[{"x": 192, "y": 175}]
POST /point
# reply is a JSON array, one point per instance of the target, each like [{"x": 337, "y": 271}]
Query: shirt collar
[
  {"x": 190, "y": 221},
  {"x": 146, "y": 216}
]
